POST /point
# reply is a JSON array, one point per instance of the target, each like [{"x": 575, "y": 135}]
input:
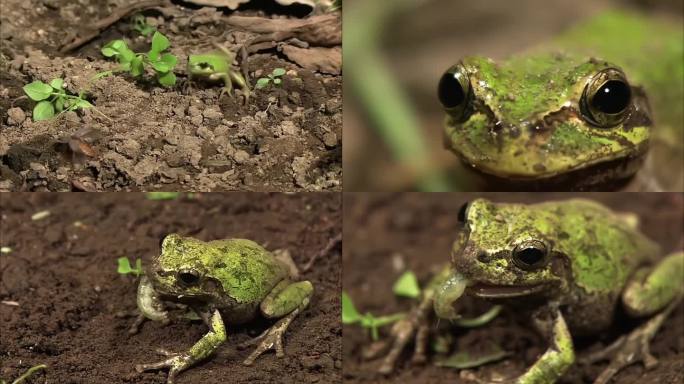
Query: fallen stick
[{"x": 108, "y": 21}]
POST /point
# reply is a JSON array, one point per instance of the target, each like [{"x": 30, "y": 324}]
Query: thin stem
[{"x": 28, "y": 373}]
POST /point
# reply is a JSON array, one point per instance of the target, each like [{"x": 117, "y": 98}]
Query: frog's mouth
[{"x": 490, "y": 291}]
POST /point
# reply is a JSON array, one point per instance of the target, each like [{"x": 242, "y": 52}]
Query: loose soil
[
  {"x": 382, "y": 233},
  {"x": 286, "y": 138},
  {"x": 74, "y": 309}
]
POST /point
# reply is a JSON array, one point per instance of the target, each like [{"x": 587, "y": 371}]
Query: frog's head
[
  {"x": 507, "y": 250},
  {"x": 199, "y": 65},
  {"x": 183, "y": 269},
  {"x": 537, "y": 117}
]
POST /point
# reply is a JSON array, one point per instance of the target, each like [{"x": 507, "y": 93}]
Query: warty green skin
[
  {"x": 527, "y": 122},
  {"x": 237, "y": 280},
  {"x": 217, "y": 66},
  {"x": 596, "y": 259}
]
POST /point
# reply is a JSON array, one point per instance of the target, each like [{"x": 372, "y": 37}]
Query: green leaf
[
  {"x": 407, "y": 285},
  {"x": 167, "y": 79},
  {"x": 262, "y": 82},
  {"x": 124, "y": 266},
  {"x": 57, "y": 84},
  {"x": 278, "y": 72},
  {"x": 59, "y": 104},
  {"x": 159, "y": 43},
  {"x": 137, "y": 68},
  {"x": 162, "y": 195},
  {"x": 277, "y": 81},
  {"x": 113, "y": 48},
  {"x": 169, "y": 59},
  {"x": 126, "y": 55},
  {"x": 38, "y": 90},
  {"x": 349, "y": 313},
  {"x": 160, "y": 66},
  {"x": 80, "y": 103},
  {"x": 43, "y": 111}
]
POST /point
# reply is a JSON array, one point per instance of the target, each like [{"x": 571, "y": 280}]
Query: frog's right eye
[
  {"x": 188, "y": 277},
  {"x": 454, "y": 92}
]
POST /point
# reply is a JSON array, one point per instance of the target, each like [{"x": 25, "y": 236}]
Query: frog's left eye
[
  {"x": 531, "y": 254},
  {"x": 607, "y": 98},
  {"x": 188, "y": 277},
  {"x": 454, "y": 92}
]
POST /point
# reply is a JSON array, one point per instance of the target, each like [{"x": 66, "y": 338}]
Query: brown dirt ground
[
  {"x": 382, "y": 230},
  {"x": 63, "y": 275},
  {"x": 180, "y": 138}
]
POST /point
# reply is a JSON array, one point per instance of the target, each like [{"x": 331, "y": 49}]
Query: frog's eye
[
  {"x": 531, "y": 254},
  {"x": 463, "y": 213},
  {"x": 454, "y": 92},
  {"x": 607, "y": 98},
  {"x": 188, "y": 277}
]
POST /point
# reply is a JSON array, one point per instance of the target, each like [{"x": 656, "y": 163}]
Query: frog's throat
[{"x": 488, "y": 291}]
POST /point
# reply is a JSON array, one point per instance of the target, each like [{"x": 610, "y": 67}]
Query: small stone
[
  {"x": 194, "y": 111},
  {"x": 197, "y": 120},
  {"x": 240, "y": 156},
  {"x": 333, "y": 105},
  {"x": 16, "y": 116},
  {"x": 330, "y": 140},
  {"x": 289, "y": 127},
  {"x": 212, "y": 114}
]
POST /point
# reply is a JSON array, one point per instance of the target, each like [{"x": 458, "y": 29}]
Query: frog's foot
[
  {"x": 272, "y": 338},
  {"x": 176, "y": 362},
  {"x": 412, "y": 327},
  {"x": 632, "y": 348}
]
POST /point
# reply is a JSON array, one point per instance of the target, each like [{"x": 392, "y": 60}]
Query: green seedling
[
  {"x": 273, "y": 78},
  {"x": 465, "y": 360},
  {"x": 162, "y": 195},
  {"x": 135, "y": 63},
  {"x": 407, "y": 285},
  {"x": 53, "y": 99},
  {"x": 351, "y": 316},
  {"x": 26, "y": 375},
  {"x": 125, "y": 267},
  {"x": 139, "y": 25}
]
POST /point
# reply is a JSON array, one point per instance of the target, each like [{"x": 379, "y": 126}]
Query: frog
[
  {"x": 568, "y": 266},
  {"x": 229, "y": 281},
  {"x": 217, "y": 65},
  {"x": 578, "y": 113}
]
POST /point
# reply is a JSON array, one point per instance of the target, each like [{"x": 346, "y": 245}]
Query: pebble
[
  {"x": 240, "y": 156},
  {"x": 330, "y": 140},
  {"x": 16, "y": 116}
]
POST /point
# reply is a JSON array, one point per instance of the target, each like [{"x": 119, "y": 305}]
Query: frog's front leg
[
  {"x": 285, "y": 301},
  {"x": 177, "y": 362},
  {"x": 649, "y": 291},
  {"x": 557, "y": 359}
]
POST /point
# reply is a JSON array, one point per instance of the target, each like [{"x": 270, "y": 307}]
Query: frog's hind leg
[
  {"x": 650, "y": 291},
  {"x": 177, "y": 362},
  {"x": 285, "y": 301},
  {"x": 241, "y": 82}
]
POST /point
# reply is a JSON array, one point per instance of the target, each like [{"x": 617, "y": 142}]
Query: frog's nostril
[{"x": 483, "y": 257}]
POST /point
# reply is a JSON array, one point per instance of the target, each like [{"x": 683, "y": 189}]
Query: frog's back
[
  {"x": 605, "y": 247},
  {"x": 247, "y": 271}
]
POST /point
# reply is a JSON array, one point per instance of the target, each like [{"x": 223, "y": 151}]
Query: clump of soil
[
  {"x": 72, "y": 309},
  {"x": 386, "y": 234},
  {"x": 186, "y": 137}
]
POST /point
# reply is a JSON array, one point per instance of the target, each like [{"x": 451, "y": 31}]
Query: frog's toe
[
  {"x": 633, "y": 348},
  {"x": 176, "y": 363},
  {"x": 272, "y": 338}
]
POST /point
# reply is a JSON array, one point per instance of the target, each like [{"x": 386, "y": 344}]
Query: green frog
[
  {"x": 578, "y": 113},
  {"x": 568, "y": 265},
  {"x": 218, "y": 66},
  {"x": 223, "y": 282}
]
